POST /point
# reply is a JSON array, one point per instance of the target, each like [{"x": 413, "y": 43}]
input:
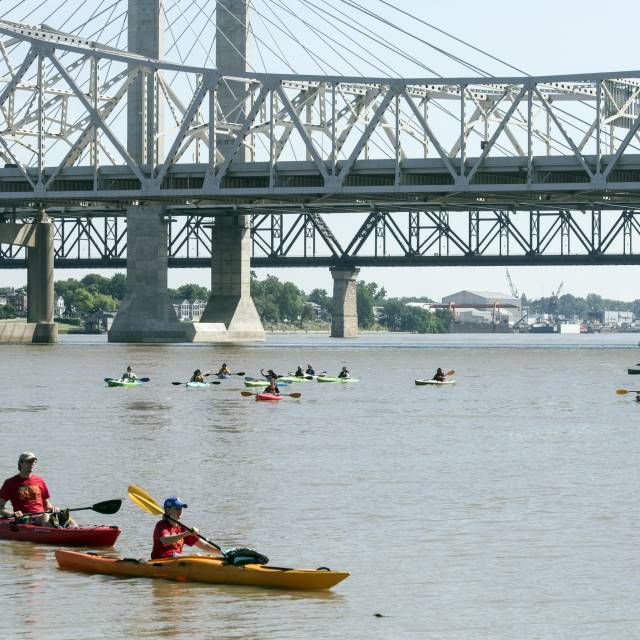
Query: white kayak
[{"x": 435, "y": 383}]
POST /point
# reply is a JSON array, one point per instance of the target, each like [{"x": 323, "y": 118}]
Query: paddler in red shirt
[
  {"x": 169, "y": 537},
  {"x": 27, "y": 493}
]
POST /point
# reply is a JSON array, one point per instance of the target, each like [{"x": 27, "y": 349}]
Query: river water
[{"x": 505, "y": 506}]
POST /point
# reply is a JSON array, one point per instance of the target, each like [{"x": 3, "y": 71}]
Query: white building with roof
[{"x": 490, "y": 306}]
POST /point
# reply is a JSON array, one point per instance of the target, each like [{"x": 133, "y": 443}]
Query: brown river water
[{"x": 505, "y": 506}]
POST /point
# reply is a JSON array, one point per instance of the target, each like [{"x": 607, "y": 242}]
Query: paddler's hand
[
  {"x": 17, "y": 515},
  {"x": 193, "y": 532}
]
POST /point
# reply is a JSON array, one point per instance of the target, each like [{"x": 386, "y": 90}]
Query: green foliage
[
  {"x": 7, "y": 311},
  {"x": 369, "y": 295},
  {"x": 399, "y": 317},
  {"x": 190, "y": 292},
  {"x": 90, "y": 294},
  {"x": 277, "y": 301},
  {"x": 567, "y": 305},
  {"x": 321, "y": 298}
]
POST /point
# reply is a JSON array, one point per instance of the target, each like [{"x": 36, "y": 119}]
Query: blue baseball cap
[{"x": 174, "y": 503}]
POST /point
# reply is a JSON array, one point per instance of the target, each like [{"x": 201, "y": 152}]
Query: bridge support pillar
[
  {"x": 38, "y": 238},
  {"x": 146, "y": 313},
  {"x": 344, "y": 317},
  {"x": 230, "y": 315}
]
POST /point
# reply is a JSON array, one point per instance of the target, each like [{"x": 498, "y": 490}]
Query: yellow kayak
[{"x": 201, "y": 569}]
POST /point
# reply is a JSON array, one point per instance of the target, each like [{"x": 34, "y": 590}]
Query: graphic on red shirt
[
  {"x": 164, "y": 528},
  {"x": 28, "y": 495}
]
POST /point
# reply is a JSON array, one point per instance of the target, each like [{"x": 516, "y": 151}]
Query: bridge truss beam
[
  {"x": 381, "y": 238},
  {"x": 569, "y": 140}
]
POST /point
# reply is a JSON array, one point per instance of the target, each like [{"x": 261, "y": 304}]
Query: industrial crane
[{"x": 514, "y": 291}]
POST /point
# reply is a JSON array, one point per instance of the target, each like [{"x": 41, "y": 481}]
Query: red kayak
[
  {"x": 267, "y": 397},
  {"x": 84, "y": 536}
]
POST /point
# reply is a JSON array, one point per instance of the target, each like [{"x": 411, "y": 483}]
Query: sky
[{"x": 545, "y": 37}]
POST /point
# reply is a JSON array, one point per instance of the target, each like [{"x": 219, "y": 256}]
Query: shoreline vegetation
[{"x": 284, "y": 308}]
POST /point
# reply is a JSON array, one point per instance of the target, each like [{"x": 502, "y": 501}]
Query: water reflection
[{"x": 147, "y": 405}]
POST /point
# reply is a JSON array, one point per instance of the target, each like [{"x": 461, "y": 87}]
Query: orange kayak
[{"x": 201, "y": 569}]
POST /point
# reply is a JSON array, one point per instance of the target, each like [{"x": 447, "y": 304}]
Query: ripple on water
[{"x": 29, "y": 408}]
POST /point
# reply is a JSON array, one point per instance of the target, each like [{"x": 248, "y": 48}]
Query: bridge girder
[{"x": 379, "y": 238}]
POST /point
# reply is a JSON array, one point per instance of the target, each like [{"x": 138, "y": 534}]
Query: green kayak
[
  {"x": 338, "y": 380},
  {"x": 123, "y": 383},
  {"x": 296, "y": 379}
]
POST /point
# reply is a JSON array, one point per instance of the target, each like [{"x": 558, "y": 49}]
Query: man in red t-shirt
[
  {"x": 27, "y": 493},
  {"x": 169, "y": 537}
]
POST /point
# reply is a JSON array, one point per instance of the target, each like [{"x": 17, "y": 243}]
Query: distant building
[
  {"x": 489, "y": 307},
  {"x": 319, "y": 312},
  {"x": 425, "y": 306},
  {"x": 59, "y": 307},
  {"x": 18, "y": 300},
  {"x": 189, "y": 309},
  {"x": 617, "y": 317}
]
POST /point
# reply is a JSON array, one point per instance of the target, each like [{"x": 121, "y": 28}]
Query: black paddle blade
[
  {"x": 108, "y": 506},
  {"x": 240, "y": 373},
  {"x": 144, "y": 379},
  {"x": 178, "y": 383}
]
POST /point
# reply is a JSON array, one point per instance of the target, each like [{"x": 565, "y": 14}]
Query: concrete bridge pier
[
  {"x": 146, "y": 313},
  {"x": 230, "y": 314},
  {"x": 38, "y": 239},
  {"x": 344, "y": 317},
  {"x": 40, "y": 283}
]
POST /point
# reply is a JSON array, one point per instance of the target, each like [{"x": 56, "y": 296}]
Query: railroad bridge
[{"x": 116, "y": 156}]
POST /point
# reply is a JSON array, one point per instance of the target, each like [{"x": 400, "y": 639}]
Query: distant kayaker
[
  {"x": 310, "y": 371},
  {"x": 440, "y": 375},
  {"x": 272, "y": 389},
  {"x": 224, "y": 370},
  {"x": 197, "y": 376},
  {"x": 28, "y": 493},
  {"x": 270, "y": 375},
  {"x": 169, "y": 537},
  {"x": 344, "y": 373},
  {"x": 299, "y": 372},
  {"x": 129, "y": 375}
]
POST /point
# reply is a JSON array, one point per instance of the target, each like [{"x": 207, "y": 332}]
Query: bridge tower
[
  {"x": 230, "y": 307},
  {"x": 146, "y": 313}
]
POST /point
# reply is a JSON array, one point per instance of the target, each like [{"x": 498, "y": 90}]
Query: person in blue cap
[{"x": 169, "y": 537}]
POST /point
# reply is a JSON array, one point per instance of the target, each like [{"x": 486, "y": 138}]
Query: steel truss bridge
[
  {"x": 412, "y": 238},
  {"x": 460, "y": 171}
]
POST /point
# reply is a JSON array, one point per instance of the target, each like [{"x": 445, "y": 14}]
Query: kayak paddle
[
  {"x": 623, "y": 392},
  {"x": 107, "y": 507},
  {"x": 208, "y": 382},
  {"x": 141, "y": 498},
  {"x": 136, "y": 380},
  {"x": 295, "y": 394}
]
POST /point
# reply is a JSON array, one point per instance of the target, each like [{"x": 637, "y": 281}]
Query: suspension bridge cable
[
  {"x": 388, "y": 23},
  {"x": 320, "y": 12},
  {"x": 477, "y": 49}
]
